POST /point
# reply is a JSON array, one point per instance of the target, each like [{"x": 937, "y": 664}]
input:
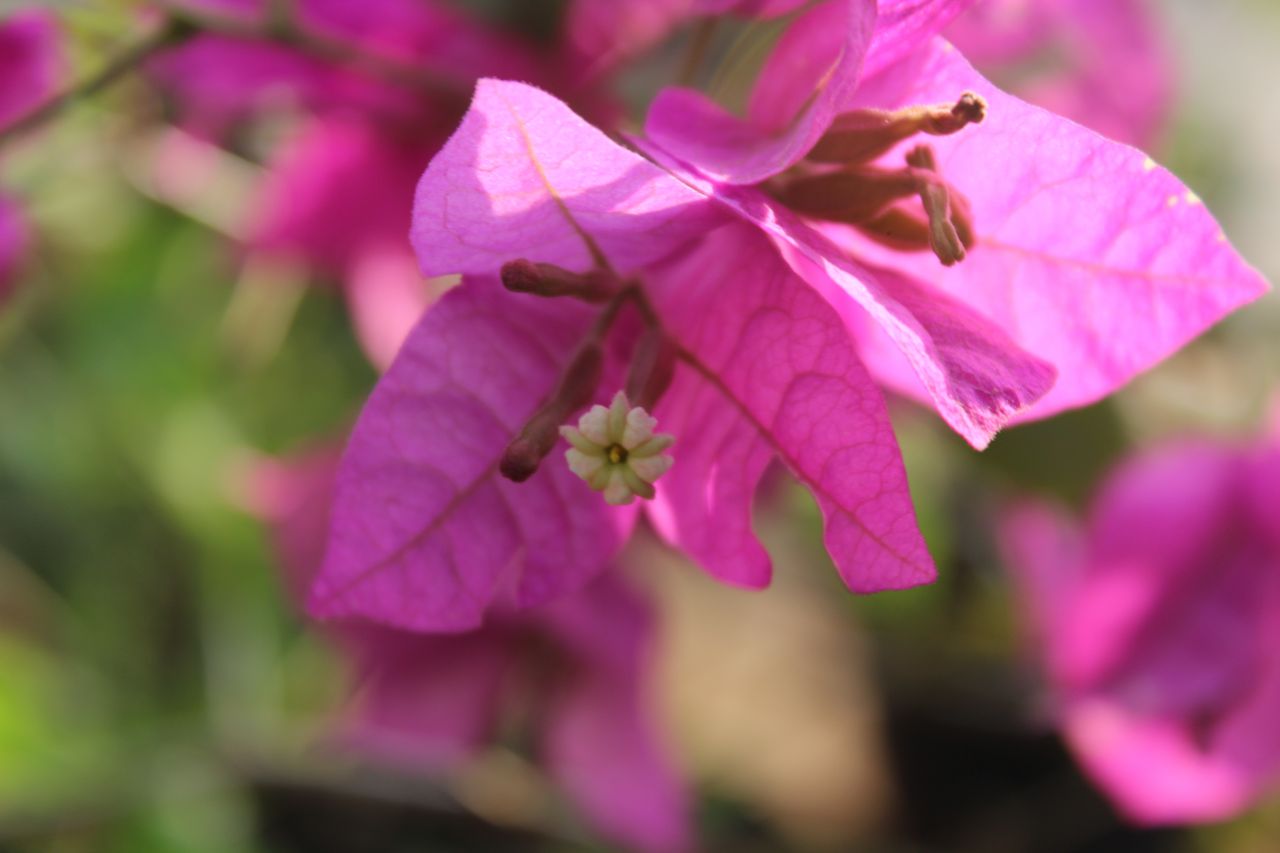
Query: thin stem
[
  {"x": 172, "y": 33},
  {"x": 282, "y": 28},
  {"x": 698, "y": 45}
]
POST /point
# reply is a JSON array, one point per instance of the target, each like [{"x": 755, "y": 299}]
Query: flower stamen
[
  {"x": 862, "y": 135},
  {"x": 615, "y": 450}
]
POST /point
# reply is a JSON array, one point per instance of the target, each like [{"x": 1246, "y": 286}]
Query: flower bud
[{"x": 522, "y": 276}]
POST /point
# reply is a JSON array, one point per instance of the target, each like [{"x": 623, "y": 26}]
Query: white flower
[{"x": 615, "y": 450}]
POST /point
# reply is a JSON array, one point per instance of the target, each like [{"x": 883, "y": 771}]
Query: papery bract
[
  {"x": 1073, "y": 268},
  {"x": 583, "y": 665},
  {"x": 1089, "y": 254},
  {"x": 1158, "y": 623},
  {"x": 1068, "y": 56},
  {"x": 427, "y": 536}
]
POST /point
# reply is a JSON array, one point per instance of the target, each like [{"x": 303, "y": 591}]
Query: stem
[
  {"x": 698, "y": 46},
  {"x": 282, "y": 28},
  {"x": 174, "y": 32}
]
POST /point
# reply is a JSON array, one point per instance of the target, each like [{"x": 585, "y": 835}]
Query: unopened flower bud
[
  {"x": 614, "y": 449},
  {"x": 537, "y": 438},
  {"x": 522, "y": 276}
]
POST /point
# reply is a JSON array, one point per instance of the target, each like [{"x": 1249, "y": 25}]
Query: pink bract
[
  {"x": 1091, "y": 260},
  {"x": 433, "y": 701},
  {"x": 1158, "y": 623}
]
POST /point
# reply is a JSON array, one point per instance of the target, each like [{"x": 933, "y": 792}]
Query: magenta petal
[
  {"x": 1154, "y": 769},
  {"x": 425, "y": 533},
  {"x": 975, "y": 375},
  {"x": 811, "y": 73},
  {"x": 1090, "y": 255},
  {"x": 425, "y": 700},
  {"x": 524, "y": 177},
  {"x": 1046, "y": 552},
  {"x": 30, "y": 62},
  {"x": 771, "y": 371},
  {"x": 601, "y": 748},
  {"x": 1064, "y": 55},
  {"x": 904, "y": 25},
  {"x": 600, "y": 736},
  {"x": 753, "y": 8}
]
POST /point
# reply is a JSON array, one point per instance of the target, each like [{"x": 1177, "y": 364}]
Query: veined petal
[
  {"x": 1090, "y": 255},
  {"x": 425, "y": 534},
  {"x": 770, "y": 371},
  {"x": 524, "y": 177}
]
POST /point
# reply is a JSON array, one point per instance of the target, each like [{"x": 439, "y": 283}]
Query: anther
[
  {"x": 577, "y": 386},
  {"x": 522, "y": 276},
  {"x": 863, "y": 135},
  {"x": 944, "y": 236}
]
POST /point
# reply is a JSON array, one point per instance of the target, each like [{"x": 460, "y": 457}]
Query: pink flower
[
  {"x": 1158, "y": 622},
  {"x": 428, "y": 535},
  {"x": 1067, "y": 56},
  {"x": 577, "y": 670},
  {"x": 765, "y": 324}
]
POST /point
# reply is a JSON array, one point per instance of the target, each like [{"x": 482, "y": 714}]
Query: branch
[{"x": 172, "y": 33}]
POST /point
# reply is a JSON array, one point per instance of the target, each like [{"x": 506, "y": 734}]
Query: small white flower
[{"x": 616, "y": 451}]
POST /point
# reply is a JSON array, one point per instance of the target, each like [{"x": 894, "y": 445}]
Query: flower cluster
[{"x": 645, "y": 320}]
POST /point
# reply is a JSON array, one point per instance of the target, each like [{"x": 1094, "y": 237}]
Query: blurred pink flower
[
  {"x": 30, "y": 65},
  {"x": 1103, "y": 63},
  {"x": 1158, "y": 623},
  {"x": 338, "y": 191},
  {"x": 30, "y": 62},
  {"x": 576, "y": 672}
]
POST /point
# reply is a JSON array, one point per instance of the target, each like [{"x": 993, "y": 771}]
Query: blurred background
[{"x": 160, "y": 692}]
